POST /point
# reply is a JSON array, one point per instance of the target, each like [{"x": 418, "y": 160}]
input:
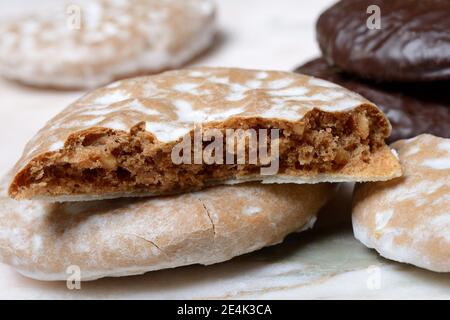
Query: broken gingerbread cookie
[{"x": 187, "y": 129}]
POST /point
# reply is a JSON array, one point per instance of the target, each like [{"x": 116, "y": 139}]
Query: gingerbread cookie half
[
  {"x": 408, "y": 219},
  {"x": 86, "y": 44},
  {"x": 183, "y": 130},
  {"x": 51, "y": 241}
]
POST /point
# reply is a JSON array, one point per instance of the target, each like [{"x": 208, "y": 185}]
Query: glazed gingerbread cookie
[
  {"x": 124, "y": 139},
  {"x": 91, "y": 43},
  {"x": 131, "y": 236},
  {"x": 408, "y": 219}
]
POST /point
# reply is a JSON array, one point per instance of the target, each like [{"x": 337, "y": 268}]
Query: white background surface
[{"x": 327, "y": 263}]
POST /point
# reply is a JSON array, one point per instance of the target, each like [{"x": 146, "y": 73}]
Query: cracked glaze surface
[{"x": 132, "y": 236}]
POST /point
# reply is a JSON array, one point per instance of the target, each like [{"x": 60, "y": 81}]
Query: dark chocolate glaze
[
  {"x": 412, "y": 109},
  {"x": 413, "y": 43}
]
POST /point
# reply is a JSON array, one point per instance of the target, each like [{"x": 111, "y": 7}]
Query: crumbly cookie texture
[
  {"x": 408, "y": 219},
  {"x": 134, "y": 235},
  {"x": 86, "y": 44},
  {"x": 118, "y": 140}
]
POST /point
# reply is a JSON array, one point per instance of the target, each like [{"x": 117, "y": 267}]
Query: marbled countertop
[{"x": 326, "y": 262}]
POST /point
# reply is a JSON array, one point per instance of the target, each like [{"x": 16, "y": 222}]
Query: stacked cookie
[
  {"x": 402, "y": 63},
  {"x": 395, "y": 53},
  {"x": 79, "y": 196}
]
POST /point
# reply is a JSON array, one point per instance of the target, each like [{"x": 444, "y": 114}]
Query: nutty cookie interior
[{"x": 101, "y": 161}]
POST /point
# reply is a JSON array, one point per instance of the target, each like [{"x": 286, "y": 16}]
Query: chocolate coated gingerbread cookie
[{"x": 411, "y": 44}]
